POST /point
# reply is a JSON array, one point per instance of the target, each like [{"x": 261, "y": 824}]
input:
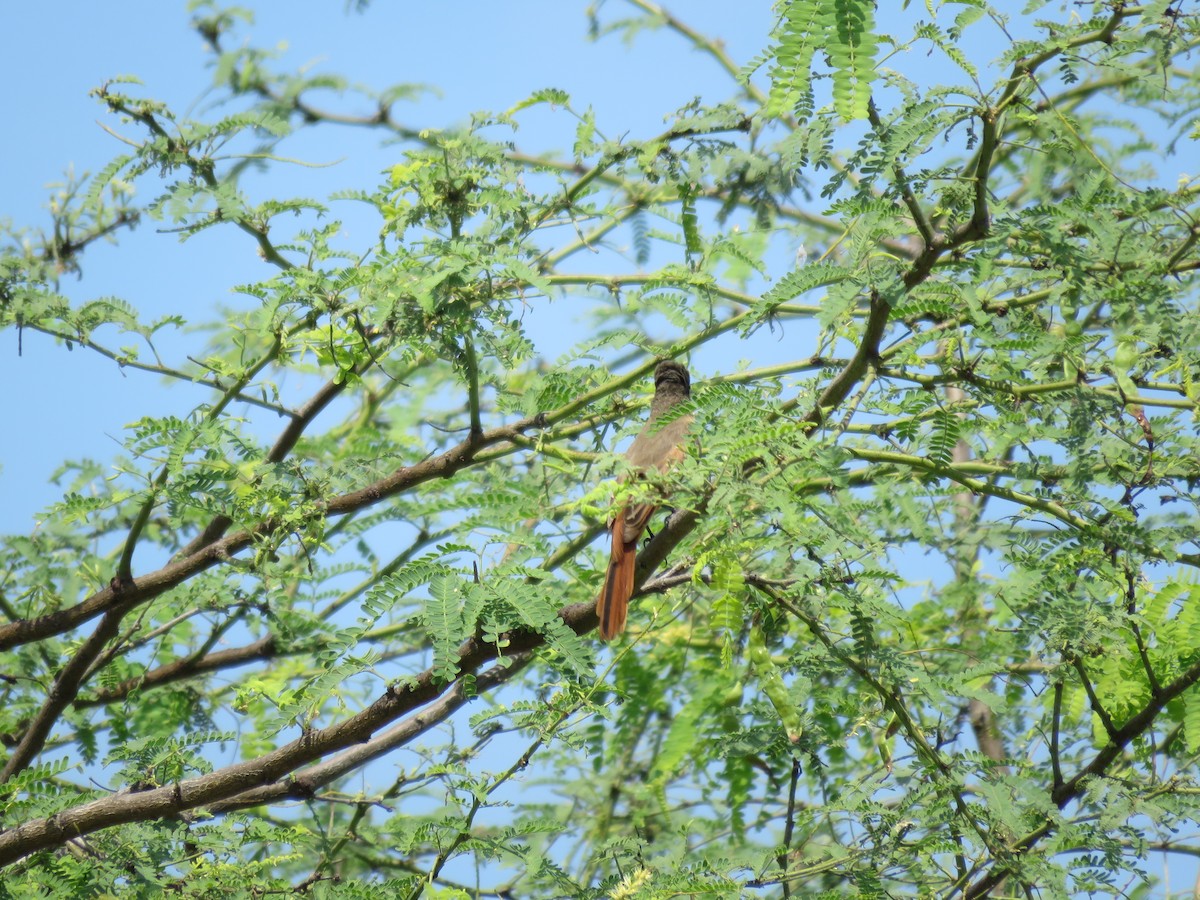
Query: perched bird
[{"x": 657, "y": 446}]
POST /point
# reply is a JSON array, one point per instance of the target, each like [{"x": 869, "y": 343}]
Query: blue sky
[
  {"x": 477, "y": 56},
  {"x": 474, "y": 56}
]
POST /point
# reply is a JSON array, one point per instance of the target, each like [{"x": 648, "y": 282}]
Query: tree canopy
[{"x": 922, "y": 620}]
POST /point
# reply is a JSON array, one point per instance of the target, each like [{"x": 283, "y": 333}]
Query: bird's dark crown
[{"x": 669, "y": 371}]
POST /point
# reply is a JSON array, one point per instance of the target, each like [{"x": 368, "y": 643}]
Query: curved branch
[
  {"x": 306, "y": 783},
  {"x": 123, "y": 595},
  {"x": 714, "y": 48},
  {"x": 63, "y": 692},
  {"x": 283, "y": 445},
  {"x": 1069, "y": 791},
  {"x": 232, "y": 781},
  {"x": 146, "y": 587},
  {"x": 866, "y": 355},
  {"x": 186, "y": 667}
]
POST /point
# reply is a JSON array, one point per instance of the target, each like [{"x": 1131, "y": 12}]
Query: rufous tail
[{"x": 613, "y": 603}]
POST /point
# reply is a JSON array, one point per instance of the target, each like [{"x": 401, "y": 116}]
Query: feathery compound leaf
[
  {"x": 947, "y": 427},
  {"x": 688, "y": 220},
  {"x": 843, "y": 29},
  {"x": 798, "y": 36},
  {"x": 1191, "y": 719},
  {"x": 443, "y": 616},
  {"x": 389, "y": 450},
  {"x": 850, "y": 44},
  {"x": 680, "y": 740},
  {"x": 538, "y": 614},
  {"x": 800, "y": 281}
]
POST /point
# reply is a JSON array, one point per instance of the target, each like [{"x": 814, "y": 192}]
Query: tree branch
[
  {"x": 306, "y": 783},
  {"x": 225, "y": 784}
]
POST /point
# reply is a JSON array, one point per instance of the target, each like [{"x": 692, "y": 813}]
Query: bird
[{"x": 657, "y": 446}]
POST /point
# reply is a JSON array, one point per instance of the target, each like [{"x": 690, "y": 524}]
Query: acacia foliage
[{"x": 923, "y": 623}]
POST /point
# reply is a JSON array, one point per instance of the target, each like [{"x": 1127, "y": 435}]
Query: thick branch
[
  {"x": 1066, "y": 792},
  {"x": 868, "y": 352},
  {"x": 287, "y": 439},
  {"x": 125, "y": 565},
  {"x": 305, "y": 784},
  {"x": 151, "y": 585},
  {"x": 187, "y": 667},
  {"x": 232, "y": 781},
  {"x": 63, "y": 692}
]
